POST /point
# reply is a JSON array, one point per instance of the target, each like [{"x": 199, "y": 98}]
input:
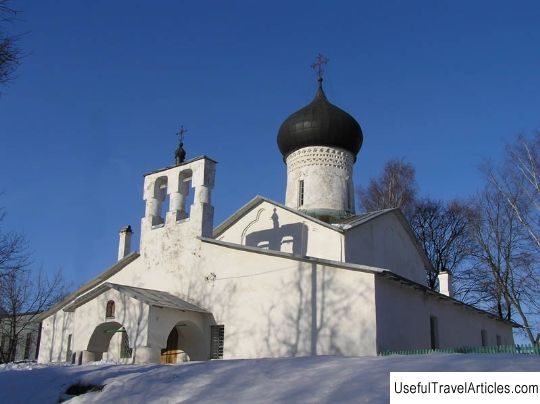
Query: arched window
[{"x": 109, "y": 312}]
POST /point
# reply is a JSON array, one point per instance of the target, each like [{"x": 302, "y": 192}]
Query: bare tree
[
  {"x": 13, "y": 250},
  {"x": 395, "y": 188},
  {"x": 505, "y": 274},
  {"x": 518, "y": 181},
  {"x": 503, "y": 277},
  {"x": 441, "y": 229},
  {"x": 24, "y": 293},
  {"x": 9, "y": 51}
]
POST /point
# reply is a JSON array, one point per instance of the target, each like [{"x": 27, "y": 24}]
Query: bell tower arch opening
[
  {"x": 182, "y": 196},
  {"x": 157, "y": 201}
]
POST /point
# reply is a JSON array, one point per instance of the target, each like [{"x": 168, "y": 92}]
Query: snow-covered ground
[{"x": 322, "y": 379}]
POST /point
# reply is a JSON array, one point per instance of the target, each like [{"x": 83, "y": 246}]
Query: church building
[{"x": 307, "y": 277}]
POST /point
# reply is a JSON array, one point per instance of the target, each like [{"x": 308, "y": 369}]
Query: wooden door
[{"x": 169, "y": 354}]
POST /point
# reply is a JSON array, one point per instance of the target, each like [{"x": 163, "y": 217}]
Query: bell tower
[{"x": 170, "y": 219}]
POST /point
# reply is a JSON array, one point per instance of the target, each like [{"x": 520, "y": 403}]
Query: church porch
[{"x": 133, "y": 325}]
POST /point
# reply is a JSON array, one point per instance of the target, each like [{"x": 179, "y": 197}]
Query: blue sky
[{"x": 104, "y": 86}]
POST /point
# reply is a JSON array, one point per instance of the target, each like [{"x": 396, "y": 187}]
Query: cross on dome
[{"x": 319, "y": 65}]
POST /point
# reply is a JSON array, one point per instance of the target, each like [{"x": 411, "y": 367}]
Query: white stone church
[{"x": 308, "y": 277}]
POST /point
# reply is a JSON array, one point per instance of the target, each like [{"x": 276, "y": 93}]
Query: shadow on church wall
[
  {"x": 315, "y": 320},
  {"x": 55, "y": 353},
  {"x": 189, "y": 279},
  {"x": 291, "y": 238},
  {"x": 136, "y": 333}
]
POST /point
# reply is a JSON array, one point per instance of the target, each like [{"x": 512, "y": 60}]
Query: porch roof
[{"x": 151, "y": 297}]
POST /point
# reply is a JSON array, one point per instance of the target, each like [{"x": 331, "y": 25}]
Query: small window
[
  {"x": 109, "y": 312},
  {"x": 434, "y": 328},
  {"x": 28, "y": 346},
  {"x": 217, "y": 339},
  {"x": 484, "y": 337},
  {"x": 301, "y": 193}
]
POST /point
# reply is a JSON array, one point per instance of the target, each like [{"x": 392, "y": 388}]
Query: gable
[
  {"x": 267, "y": 225},
  {"x": 386, "y": 241}
]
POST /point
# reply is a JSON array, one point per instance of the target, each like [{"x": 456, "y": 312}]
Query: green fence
[{"x": 514, "y": 349}]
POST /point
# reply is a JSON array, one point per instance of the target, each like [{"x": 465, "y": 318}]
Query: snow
[{"x": 308, "y": 380}]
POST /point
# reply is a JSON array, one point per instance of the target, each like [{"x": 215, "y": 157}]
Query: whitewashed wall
[
  {"x": 403, "y": 320},
  {"x": 54, "y": 336},
  {"x": 273, "y": 306},
  {"x": 383, "y": 242},
  {"x": 266, "y": 302}
]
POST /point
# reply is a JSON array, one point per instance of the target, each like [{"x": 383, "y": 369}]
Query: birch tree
[
  {"x": 518, "y": 182},
  {"x": 503, "y": 277},
  {"x": 395, "y": 188}
]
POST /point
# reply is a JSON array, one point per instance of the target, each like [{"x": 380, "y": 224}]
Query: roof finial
[
  {"x": 318, "y": 66},
  {"x": 180, "y": 154}
]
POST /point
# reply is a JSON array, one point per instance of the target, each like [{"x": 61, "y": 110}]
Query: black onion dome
[{"x": 319, "y": 123}]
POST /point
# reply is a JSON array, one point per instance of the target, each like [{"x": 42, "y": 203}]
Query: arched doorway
[
  {"x": 185, "y": 342},
  {"x": 110, "y": 341}
]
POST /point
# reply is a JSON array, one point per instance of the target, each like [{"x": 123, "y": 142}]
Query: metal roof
[
  {"x": 361, "y": 218},
  {"x": 156, "y": 298}
]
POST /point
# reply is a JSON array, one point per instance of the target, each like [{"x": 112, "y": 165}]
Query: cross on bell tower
[{"x": 180, "y": 154}]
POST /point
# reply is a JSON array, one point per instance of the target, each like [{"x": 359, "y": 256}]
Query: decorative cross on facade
[
  {"x": 318, "y": 66},
  {"x": 210, "y": 278},
  {"x": 181, "y": 133}
]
